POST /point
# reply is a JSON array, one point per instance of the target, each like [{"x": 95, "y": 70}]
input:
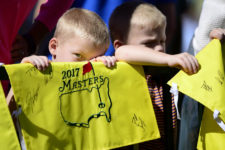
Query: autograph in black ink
[
  {"x": 138, "y": 122},
  {"x": 32, "y": 97},
  {"x": 220, "y": 77},
  {"x": 206, "y": 87}
]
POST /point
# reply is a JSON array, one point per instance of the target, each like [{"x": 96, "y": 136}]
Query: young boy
[
  {"x": 138, "y": 34},
  {"x": 80, "y": 35}
]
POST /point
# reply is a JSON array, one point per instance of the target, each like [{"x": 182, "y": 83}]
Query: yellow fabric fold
[{"x": 8, "y": 138}]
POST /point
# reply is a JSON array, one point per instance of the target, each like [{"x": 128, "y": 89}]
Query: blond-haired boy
[
  {"x": 80, "y": 35},
  {"x": 137, "y": 31}
]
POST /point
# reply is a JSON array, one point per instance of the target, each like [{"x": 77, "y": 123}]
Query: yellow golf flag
[
  {"x": 83, "y": 106},
  {"x": 8, "y": 138},
  {"x": 207, "y": 87}
]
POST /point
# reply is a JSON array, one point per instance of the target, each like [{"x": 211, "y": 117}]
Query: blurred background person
[{"x": 12, "y": 15}]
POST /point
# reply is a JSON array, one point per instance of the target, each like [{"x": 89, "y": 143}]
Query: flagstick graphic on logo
[{"x": 87, "y": 68}]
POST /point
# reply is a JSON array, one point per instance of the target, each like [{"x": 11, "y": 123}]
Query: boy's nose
[{"x": 159, "y": 48}]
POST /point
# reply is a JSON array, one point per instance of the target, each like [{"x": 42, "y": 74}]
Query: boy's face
[
  {"x": 74, "y": 49},
  {"x": 146, "y": 36}
]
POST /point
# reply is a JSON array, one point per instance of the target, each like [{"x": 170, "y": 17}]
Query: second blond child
[{"x": 138, "y": 34}]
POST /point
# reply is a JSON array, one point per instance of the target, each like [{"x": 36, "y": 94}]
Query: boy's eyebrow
[
  {"x": 148, "y": 41},
  {"x": 74, "y": 50}
]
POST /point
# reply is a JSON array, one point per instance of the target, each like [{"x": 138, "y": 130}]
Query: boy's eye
[
  {"x": 78, "y": 55},
  {"x": 150, "y": 44}
]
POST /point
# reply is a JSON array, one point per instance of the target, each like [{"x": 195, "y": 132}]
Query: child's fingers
[
  {"x": 107, "y": 60},
  {"x": 111, "y": 60},
  {"x": 184, "y": 64},
  {"x": 195, "y": 64},
  {"x": 190, "y": 63},
  {"x": 45, "y": 61},
  {"x": 40, "y": 62},
  {"x": 34, "y": 60},
  {"x": 102, "y": 59}
]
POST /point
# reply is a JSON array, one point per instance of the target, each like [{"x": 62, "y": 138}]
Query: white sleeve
[{"x": 212, "y": 16}]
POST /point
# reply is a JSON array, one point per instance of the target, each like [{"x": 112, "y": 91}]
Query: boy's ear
[
  {"x": 117, "y": 44},
  {"x": 52, "y": 46}
]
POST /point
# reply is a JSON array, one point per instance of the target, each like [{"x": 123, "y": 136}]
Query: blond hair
[
  {"x": 133, "y": 14},
  {"x": 85, "y": 24}
]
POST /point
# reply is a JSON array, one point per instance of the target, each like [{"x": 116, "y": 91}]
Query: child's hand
[
  {"x": 40, "y": 62},
  {"x": 184, "y": 61},
  {"x": 218, "y": 33},
  {"x": 109, "y": 61}
]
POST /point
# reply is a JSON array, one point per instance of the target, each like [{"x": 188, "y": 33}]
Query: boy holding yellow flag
[
  {"x": 75, "y": 39},
  {"x": 138, "y": 34},
  {"x": 80, "y": 35}
]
